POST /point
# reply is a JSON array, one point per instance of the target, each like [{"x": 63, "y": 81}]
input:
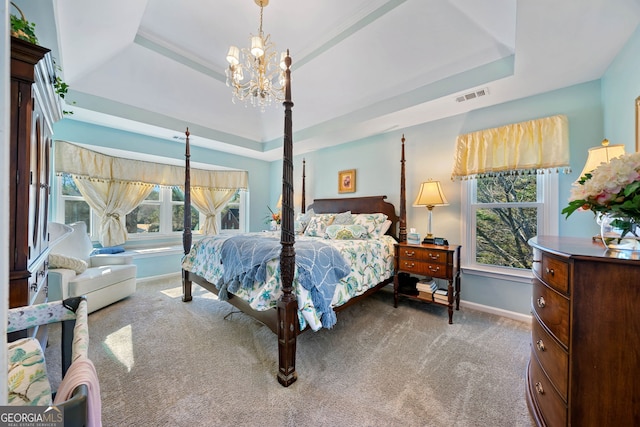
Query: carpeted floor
[{"x": 163, "y": 362}]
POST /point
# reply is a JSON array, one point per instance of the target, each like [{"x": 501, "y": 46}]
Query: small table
[{"x": 440, "y": 262}]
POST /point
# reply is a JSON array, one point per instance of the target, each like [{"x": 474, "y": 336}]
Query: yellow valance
[
  {"x": 83, "y": 163},
  {"x": 531, "y": 146}
]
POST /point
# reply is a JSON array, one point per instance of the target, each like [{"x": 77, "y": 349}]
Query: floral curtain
[
  {"x": 526, "y": 147},
  {"x": 112, "y": 201},
  {"x": 210, "y": 201}
]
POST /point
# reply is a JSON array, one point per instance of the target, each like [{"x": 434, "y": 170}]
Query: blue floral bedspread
[{"x": 370, "y": 261}]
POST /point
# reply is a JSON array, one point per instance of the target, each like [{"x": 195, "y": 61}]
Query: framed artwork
[{"x": 347, "y": 181}]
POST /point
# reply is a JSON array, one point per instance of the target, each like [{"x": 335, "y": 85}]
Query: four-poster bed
[{"x": 294, "y": 309}]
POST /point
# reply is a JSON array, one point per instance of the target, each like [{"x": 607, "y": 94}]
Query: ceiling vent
[{"x": 472, "y": 95}]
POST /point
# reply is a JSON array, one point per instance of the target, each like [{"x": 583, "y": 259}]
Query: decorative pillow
[
  {"x": 302, "y": 221},
  {"x": 372, "y": 222},
  {"x": 27, "y": 375},
  {"x": 318, "y": 224},
  {"x": 344, "y": 218},
  {"x": 384, "y": 228},
  {"x": 62, "y": 261},
  {"x": 346, "y": 232}
]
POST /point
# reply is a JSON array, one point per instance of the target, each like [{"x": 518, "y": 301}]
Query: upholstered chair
[{"x": 73, "y": 271}]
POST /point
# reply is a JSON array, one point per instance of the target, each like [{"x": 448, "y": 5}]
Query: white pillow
[{"x": 63, "y": 261}]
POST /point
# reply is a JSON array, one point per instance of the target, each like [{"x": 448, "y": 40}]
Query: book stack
[
  {"x": 441, "y": 296},
  {"x": 426, "y": 288}
]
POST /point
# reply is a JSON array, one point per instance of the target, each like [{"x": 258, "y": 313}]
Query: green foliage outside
[{"x": 502, "y": 233}]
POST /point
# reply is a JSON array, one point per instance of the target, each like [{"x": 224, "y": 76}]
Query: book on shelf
[
  {"x": 441, "y": 295},
  {"x": 426, "y": 286},
  {"x": 425, "y": 295}
]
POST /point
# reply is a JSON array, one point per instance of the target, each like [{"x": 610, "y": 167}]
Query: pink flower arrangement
[{"x": 612, "y": 188}]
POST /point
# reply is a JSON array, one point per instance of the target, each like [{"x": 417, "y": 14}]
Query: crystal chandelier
[{"x": 266, "y": 77}]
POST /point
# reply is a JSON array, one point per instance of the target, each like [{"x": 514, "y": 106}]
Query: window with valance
[{"x": 114, "y": 186}]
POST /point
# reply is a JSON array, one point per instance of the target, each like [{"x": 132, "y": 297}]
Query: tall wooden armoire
[{"x": 35, "y": 107}]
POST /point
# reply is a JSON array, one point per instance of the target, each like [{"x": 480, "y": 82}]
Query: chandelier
[{"x": 265, "y": 77}]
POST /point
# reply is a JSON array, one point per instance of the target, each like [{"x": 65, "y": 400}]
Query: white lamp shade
[
  {"x": 233, "y": 56},
  {"x": 602, "y": 154},
  {"x": 430, "y": 195},
  {"x": 257, "y": 46}
]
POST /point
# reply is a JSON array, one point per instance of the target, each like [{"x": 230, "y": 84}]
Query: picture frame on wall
[{"x": 347, "y": 181}]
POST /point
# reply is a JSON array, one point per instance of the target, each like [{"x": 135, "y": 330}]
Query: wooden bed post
[
  {"x": 287, "y": 305},
  {"x": 402, "y": 234},
  {"x": 186, "y": 232},
  {"x": 303, "y": 209}
]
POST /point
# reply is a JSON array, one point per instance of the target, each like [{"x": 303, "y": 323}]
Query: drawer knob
[
  {"x": 541, "y": 302},
  {"x": 409, "y": 264},
  {"x": 539, "y": 388},
  {"x": 410, "y": 253},
  {"x": 434, "y": 269},
  {"x": 432, "y": 256},
  {"x": 540, "y": 345},
  {"x": 550, "y": 271}
]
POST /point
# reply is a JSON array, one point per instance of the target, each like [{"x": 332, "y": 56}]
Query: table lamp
[{"x": 430, "y": 195}]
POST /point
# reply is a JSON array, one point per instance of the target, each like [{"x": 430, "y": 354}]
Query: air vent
[{"x": 472, "y": 95}]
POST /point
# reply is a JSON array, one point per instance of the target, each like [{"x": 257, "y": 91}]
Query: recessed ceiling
[{"x": 360, "y": 67}]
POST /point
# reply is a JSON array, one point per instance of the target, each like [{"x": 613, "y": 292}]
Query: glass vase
[{"x": 620, "y": 233}]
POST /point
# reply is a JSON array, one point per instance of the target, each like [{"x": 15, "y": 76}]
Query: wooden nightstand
[{"x": 439, "y": 262}]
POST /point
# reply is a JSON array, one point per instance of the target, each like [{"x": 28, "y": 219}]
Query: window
[
  {"x": 160, "y": 214},
  {"x": 502, "y": 214}
]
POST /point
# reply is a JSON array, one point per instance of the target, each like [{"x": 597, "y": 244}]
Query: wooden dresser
[
  {"x": 584, "y": 368},
  {"x": 34, "y": 108}
]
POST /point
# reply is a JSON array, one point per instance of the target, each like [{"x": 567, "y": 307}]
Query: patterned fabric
[
  {"x": 318, "y": 224},
  {"x": 21, "y": 318},
  {"x": 372, "y": 222},
  {"x": 371, "y": 261},
  {"x": 344, "y": 218},
  {"x": 346, "y": 232},
  {"x": 72, "y": 263},
  {"x": 27, "y": 374},
  {"x": 80, "y": 345},
  {"x": 302, "y": 221}
]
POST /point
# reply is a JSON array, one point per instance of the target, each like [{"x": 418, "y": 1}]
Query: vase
[{"x": 620, "y": 233}]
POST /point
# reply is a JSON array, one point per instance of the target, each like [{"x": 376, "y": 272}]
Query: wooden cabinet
[
  {"x": 439, "y": 262},
  {"x": 34, "y": 108},
  {"x": 585, "y": 335}
]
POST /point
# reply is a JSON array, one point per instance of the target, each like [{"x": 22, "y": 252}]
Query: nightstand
[{"x": 439, "y": 262}]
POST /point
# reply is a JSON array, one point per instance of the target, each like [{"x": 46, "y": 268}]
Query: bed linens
[{"x": 370, "y": 262}]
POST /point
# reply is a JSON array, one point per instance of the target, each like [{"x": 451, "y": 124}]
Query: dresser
[
  {"x": 34, "y": 108},
  {"x": 584, "y": 367},
  {"x": 439, "y": 262}
]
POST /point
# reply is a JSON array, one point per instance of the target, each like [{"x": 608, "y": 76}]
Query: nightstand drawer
[
  {"x": 553, "y": 311},
  {"x": 551, "y": 405},
  {"x": 423, "y": 268},
  {"x": 552, "y": 357}
]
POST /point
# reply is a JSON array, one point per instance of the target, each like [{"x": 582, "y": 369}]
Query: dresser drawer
[
  {"x": 423, "y": 268},
  {"x": 554, "y": 410},
  {"x": 553, "y": 311},
  {"x": 555, "y": 273},
  {"x": 553, "y": 359}
]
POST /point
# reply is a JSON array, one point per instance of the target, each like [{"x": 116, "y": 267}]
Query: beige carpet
[{"x": 163, "y": 362}]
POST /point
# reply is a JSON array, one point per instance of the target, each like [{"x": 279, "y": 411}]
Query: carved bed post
[
  {"x": 304, "y": 204},
  {"x": 287, "y": 305},
  {"x": 186, "y": 232},
  {"x": 402, "y": 235}
]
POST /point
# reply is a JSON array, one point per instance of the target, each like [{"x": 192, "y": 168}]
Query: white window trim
[
  {"x": 548, "y": 223},
  {"x": 165, "y": 212}
]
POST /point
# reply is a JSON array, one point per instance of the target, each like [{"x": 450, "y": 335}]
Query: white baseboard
[
  {"x": 526, "y": 318},
  {"x": 176, "y": 275}
]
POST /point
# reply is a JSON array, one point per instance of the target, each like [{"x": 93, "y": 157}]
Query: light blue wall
[
  {"x": 620, "y": 88},
  {"x": 429, "y": 152}
]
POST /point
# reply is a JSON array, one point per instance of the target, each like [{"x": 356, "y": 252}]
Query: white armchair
[{"x": 103, "y": 279}]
